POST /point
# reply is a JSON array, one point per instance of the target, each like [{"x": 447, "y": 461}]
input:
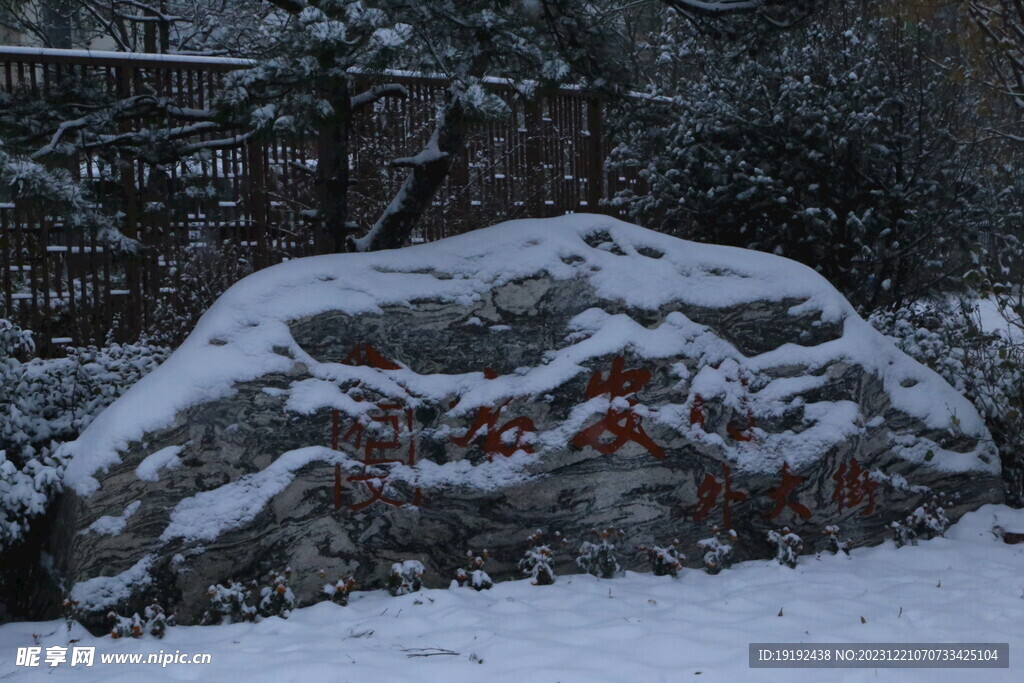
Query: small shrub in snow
[
  {"x": 125, "y": 627},
  {"x": 406, "y": 577},
  {"x": 230, "y": 602},
  {"x": 787, "y": 546},
  {"x": 69, "y": 608},
  {"x": 157, "y": 620},
  {"x": 155, "y": 623},
  {"x": 475, "y": 578},
  {"x": 537, "y": 560},
  {"x": 339, "y": 591},
  {"x": 928, "y": 521},
  {"x": 903, "y": 534},
  {"x": 276, "y": 598},
  {"x": 833, "y": 542},
  {"x": 598, "y": 558},
  {"x": 667, "y": 561},
  {"x": 717, "y": 549}
]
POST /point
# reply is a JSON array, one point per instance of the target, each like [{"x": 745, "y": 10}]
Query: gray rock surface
[{"x": 368, "y": 438}]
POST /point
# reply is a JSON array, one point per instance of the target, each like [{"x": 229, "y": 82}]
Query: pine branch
[{"x": 376, "y": 93}]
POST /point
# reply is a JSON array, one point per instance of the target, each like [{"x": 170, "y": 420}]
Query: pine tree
[{"x": 802, "y": 144}]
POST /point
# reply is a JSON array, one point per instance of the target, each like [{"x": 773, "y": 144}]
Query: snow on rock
[
  {"x": 206, "y": 515},
  {"x": 102, "y": 592},
  {"x": 236, "y": 340},
  {"x": 567, "y": 373},
  {"x": 165, "y": 458},
  {"x": 113, "y": 524}
]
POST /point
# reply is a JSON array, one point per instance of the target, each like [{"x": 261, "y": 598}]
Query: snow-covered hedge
[
  {"x": 978, "y": 347},
  {"x": 44, "y": 402},
  {"x": 803, "y": 150}
]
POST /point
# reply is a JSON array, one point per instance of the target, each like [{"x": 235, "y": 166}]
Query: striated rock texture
[{"x": 337, "y": 414}]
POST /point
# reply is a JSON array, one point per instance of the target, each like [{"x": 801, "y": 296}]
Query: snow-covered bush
[
  {"x": 903, "y": 534},
  {"x": 926, "y": 521},
  {"x": 157, "y": 620},
  {"x": 276, "y": 598},
  {"x": 977, "y": 345},
  {"x": 154, "y": 622},
  {"x": 717, "y": 549},
  {"x": 797, "y": 143},
  {"x": 932, "y": 518},
  {"x": 598, "y": 558},
  {"x": 48, "y": 401},
  {"x": 787, "y": 546},
  {"x": 406, "y": 577},
  {"x": 833, "y": 543},
  {"x": 339, "y": 591},
  {"x": 667, "y": 560},
  {"x": 125, "y": 627},
  {"x": 230, "y": 602},
  {"x": 475, "y": 578},
  {"x": 538, "y": 558},
  {"x": 237, "y": 601}
]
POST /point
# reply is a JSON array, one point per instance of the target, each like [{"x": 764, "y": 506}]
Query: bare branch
[
  {"x": 377, "y": 93},
  {"x": 109, "y": 26},
  {"x": 154, "y": 12}
]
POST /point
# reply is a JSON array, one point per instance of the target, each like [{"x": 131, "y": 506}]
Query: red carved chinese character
[
  {"x": 853, "y": 486},
  {"x": 375, "y": 485},
  {"x": 370, "y": 356},
  {"x": 697, "y": 412},
  {"x": 337, "y": 486},
  {"x": 783, "y": 496},
  {"x": 623, "y": 424},
  {"x": 707, "y": 496},
  {"x": 746, "y": 432},
  {"x": 393, "y": 430},
  {"x": 619, "y": 382},
  {"x": 392, "y": 416},
  {"x": 496, "y": 440}
]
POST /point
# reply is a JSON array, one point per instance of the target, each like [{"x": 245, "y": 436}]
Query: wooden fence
[{"x": 246, "y": 204}]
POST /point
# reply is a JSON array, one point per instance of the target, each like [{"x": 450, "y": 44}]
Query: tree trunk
[
  {"x": 427, "y": 172},
  {"x": 332, "y": 173}
]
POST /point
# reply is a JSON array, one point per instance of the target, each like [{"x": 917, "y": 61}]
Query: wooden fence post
[
  {"x": 596, "y": 156},
  {"x": 534, "y": 181},
  {"x": 258, "y": 203}
]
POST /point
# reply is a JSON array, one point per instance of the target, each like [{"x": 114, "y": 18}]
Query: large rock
[{"x": 339, "y": 413}]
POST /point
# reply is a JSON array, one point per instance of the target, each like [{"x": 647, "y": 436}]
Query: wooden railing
[{"x": 67, "y": 284}]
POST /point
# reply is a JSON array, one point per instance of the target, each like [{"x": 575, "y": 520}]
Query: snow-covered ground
[
  {"x": 997, "y": 319},
  {"x": 968, "y": 587}
]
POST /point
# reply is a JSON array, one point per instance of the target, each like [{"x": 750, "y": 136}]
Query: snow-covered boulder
[{"x": 338, "y": 414}]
